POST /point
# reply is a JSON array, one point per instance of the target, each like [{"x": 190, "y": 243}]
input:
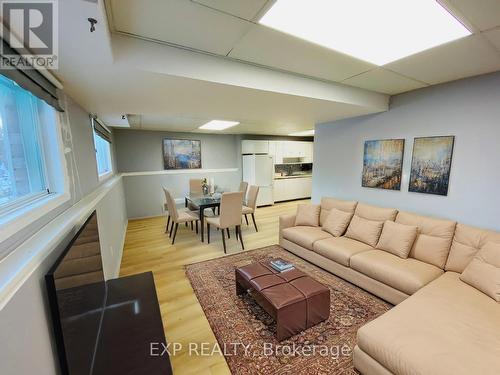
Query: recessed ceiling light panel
[
  {"x": 305, "y": 133},
  {"x": 376, "y": 31},
  {"x": 218, "y": 125}
]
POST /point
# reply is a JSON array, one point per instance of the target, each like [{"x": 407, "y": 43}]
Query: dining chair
[
  {"x": 243, "y": 188},
  {"x": 179, "y": 216},
  {"x": 195, "y": 186},
  {"x": 230, "y": 216},
  {"x": 251, "y": 205},
  {"x": 167, "y": 214}
]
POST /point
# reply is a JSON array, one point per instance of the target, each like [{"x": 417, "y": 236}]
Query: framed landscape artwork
[
  {"x": 181, "y": 154},
  {"x": 431, "y": 165},
  {"x": 383, "y": 164}
]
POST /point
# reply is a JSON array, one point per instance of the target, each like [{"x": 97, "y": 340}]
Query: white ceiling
[
  {"x": 223, "y": 42},
  {"x": 244, "y": 39}
]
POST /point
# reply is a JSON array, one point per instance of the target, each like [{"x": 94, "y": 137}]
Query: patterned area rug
[{"x": 245, "y": 332}]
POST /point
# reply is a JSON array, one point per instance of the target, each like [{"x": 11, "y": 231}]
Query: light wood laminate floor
[{"x": 148, "y": 248}]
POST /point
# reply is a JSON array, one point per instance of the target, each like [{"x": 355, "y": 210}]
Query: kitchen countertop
[{"x": 289, "y": 177}]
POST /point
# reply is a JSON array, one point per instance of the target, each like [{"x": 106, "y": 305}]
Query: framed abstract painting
[
  {"x": 431, "y": 165},
  {"x": 383, "y": 164},
  {"x": 181, "y": 154}
]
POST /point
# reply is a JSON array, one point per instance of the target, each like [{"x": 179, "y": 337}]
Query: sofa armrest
[{"x": 286, "y": 221}]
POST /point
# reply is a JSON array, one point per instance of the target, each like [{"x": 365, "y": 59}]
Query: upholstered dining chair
[
  {"x": 243, "y": 188},
  {"x": 167, "y": 214},
  {"x": 251, "y": 205},
  {"x": 195, "y": 186},
  {"x": 179, "y": 216},
  {"x": 230, "y": 216}
]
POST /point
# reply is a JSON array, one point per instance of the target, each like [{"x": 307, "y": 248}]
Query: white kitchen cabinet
[
  {"x": 292, "y": 188},
  {"x": 254, "y": 147},
  {"x": 278, "y": 152},
  {"x": 294, "y": 149},
  {"x": 308, "y": 152}
]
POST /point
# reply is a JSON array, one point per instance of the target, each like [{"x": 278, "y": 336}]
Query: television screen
[{"x": 77, "y": 296}]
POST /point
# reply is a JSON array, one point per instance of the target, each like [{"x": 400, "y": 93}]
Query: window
[
  {"x": 103, "y": 150},
  {"x": 22, "y": 167}
]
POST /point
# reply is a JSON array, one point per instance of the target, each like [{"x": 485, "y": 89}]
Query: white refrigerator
[{"x": 259, "y": 170}]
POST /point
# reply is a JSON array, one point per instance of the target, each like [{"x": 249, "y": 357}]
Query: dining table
[{"x": 201, "y": 203}]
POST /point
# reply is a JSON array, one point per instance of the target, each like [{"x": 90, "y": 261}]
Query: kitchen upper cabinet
[
  {"x": 308, "y": 152},
  {"x": 254, "y": 147},
  {"x": 277, "y": 148},
  {"x": 293, "y": 150}
]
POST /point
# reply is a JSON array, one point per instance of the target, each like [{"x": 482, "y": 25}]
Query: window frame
[
  {"x": 40, "y": 139},
  {"x": 105, "y": 175},
  {"x": 26, "y": 210}
]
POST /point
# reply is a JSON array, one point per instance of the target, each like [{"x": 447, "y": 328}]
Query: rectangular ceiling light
[
  {"x": 376, "y": 31},
  {"x": 305, "y": 133},
  {"x": 218, "y": 125}
]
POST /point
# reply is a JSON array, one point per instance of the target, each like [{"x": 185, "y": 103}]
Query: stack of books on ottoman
[{"x": 281, "y": 265}]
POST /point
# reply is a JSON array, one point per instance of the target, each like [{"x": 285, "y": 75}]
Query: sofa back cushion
[
  {"x": 466, "y": 243},
  {"x": 483, "y": 272},
  {"x": 375, "y": 213},
  {"x": 397, "y": 238},
  {"x": 337, "y": 221},
  {"x": 363, "y": 230},
  {"x": 433, "y": 241},
  {"x": 307, "y": 215},
  {"x": 328, "y": 204}
]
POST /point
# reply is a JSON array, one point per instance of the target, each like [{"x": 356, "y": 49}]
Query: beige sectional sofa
[{"x": 440, "y": 324}]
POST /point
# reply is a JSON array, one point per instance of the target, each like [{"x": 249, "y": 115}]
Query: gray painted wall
[
  {"x": 26, "y": 340},
  {"x": 141, "y": 151},
  {"x": 468, "y": 109}
]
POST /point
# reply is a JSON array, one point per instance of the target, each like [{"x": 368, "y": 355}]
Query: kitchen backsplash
[{"x": 293, "y": 169}]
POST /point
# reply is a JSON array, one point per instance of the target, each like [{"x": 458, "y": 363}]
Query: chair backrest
[
  {"x": 172, "y": 208},
  {"x": 165, "y": 205},
  {"x": 195, "y": 186},
  {"x": 252, "y": 196},
  {"x": 243, "y": 187},
  {"x": 230, "y": 209}
]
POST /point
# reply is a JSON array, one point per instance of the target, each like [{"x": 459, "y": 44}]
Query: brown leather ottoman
[{"x": 295, "y": 300}]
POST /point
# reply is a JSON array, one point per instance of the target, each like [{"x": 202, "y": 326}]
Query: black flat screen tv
[{"x": 77, "y": 295}]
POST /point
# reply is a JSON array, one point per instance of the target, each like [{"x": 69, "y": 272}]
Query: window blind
[
  {"x": 30, "y": 79},
  {"x": 101, "y": 130}
]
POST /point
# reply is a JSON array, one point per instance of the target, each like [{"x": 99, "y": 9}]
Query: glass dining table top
[{"x": 203, "y": 200}]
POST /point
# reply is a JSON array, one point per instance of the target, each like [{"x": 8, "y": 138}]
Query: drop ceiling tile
[
  {"x": 265, "y": 46},
  {"x": 384, "y": 81},
  {"x": 466, "y": 57},
  {"x": 246, "y": 9},
  {"x": 484, "y": 14},
  {"x": 494, "y": 37},
  {"x": 179, "y": 22}
]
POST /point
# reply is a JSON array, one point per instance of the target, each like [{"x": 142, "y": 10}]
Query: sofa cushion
[
  {"x": 466, "y": 243},
  {"x": 336, "y": 223},
  {"x": 433, "y": 240},
  {"x": 308, "y": 214},
  {"x": 406, "y": 275},
  {"x": 328, "y": 204},
  {"x": 364, "y": 230},
  {"x": 375, "y": 213},
  {"x": 304, "y": 236},
  {"x": 483, "y": 272},
  {"x": 340, "y": 249},
  {"x": 446, "y": 328},
  {"x": 397, "y": 238}
]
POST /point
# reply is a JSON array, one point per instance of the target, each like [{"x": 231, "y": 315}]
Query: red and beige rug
[{"x": 245, "y": 332}]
